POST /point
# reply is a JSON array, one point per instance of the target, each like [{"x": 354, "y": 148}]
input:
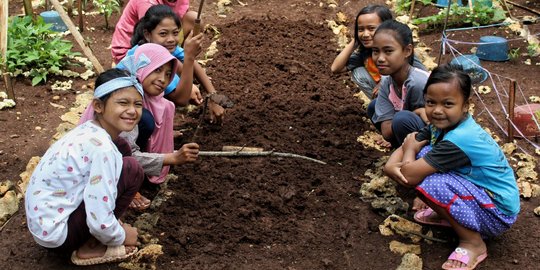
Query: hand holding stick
[{"x": 197, "y": 25}]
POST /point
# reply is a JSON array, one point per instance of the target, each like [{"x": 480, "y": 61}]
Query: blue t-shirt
[
  {"x": 487, "y": 166},
  {"x": 178, "y": 53}
]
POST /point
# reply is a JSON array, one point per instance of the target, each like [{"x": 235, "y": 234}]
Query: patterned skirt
[{"x": 468, "y": 204}]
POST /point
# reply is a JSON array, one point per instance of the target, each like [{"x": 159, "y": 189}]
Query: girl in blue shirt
[{"x": 458, "y": 170}]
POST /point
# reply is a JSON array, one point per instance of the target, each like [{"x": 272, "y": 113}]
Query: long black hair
[
  {"x": 152, "y": 18},
  {"x": 401, "y": 32},
  {"x": 382, "y": 12}
]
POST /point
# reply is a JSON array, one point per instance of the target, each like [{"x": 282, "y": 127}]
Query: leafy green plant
[
  {"x": 107, "y": 7},
  {"x": 533, "y": 49},
  {"x": 34, "y": 51},
  {"x": 514, "y": 53},
  {"x": 461, "y": 16},
  {"x": 404, "y": 6}
]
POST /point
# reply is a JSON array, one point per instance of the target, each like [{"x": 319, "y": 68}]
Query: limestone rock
[
  {"x": 389, "y": 206},
  {"x": 144, "y": 259},
  {"x": 395, "y": 224},
  {"x": 378, "y": 187},
  {"x": 537, "y": 211},
  {"x": 25, "y": 176},
  {"x": 9, "y": 204},
  {"x": 5, "y": 186},
  {"x": 402, "y": 249},
  {"x": 410, "y": 262}
]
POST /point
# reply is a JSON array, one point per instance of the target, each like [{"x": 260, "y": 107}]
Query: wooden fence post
[
  {"x": 511, "y": 105},
  {"x": 28, "y": 11},
  {"x": 3, "y": 47},
  {"x": 77, "y": 35}
]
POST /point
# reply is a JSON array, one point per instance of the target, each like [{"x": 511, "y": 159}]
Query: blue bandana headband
[{"x": 131, "y": 65}]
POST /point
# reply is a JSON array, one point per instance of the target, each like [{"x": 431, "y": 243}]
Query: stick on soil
[{"x": 255, "y": 154}]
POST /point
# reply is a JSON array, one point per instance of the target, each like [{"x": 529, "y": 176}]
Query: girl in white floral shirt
[{"x": 87, "y": 179}]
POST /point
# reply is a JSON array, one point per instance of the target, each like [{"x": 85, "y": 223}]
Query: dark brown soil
[{"x": 267, "y": 212}]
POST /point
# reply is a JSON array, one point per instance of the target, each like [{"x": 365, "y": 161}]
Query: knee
[
  {"x": 131, "y": 167},
  {"x": 401, "y": 118}
]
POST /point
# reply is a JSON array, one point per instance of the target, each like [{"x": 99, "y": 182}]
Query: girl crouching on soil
[
  {"x": 399, "y": 107},
  {"x": 155, "y": 67},
  {"x": 458, "y": 169},
  {"x": 86, "y": 180}
]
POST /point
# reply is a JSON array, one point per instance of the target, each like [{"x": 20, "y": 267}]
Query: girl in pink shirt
[{"x": 134, "y": 11}]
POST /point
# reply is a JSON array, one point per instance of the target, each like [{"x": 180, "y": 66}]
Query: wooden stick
[
  {"x": 511, "y": 104},
  {"x": 77, "y": 35},
  {"x": 4, "y": 14},
  {"x": 412, "y": 9},
  {"x": 197, "y": 25},
  {"x": 81, "y": 16},
  {"x": 28, "y": 8},
  {"x": 254, "y": 154},
  {"x": 422, "y": 235}
]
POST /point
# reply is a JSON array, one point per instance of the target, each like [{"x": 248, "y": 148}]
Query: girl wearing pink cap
[
  {"x": 156, "y": 67},
  {"x": 134, "y": 11}
]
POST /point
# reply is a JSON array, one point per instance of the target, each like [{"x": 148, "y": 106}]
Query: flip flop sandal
[
  {"x": 422, "y": 217},
  {"x": 461, "y": 255},
  {"x": 112, "y": 254}
]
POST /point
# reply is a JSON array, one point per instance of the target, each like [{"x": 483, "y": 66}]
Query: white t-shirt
[{"x": 84, "y": 165}]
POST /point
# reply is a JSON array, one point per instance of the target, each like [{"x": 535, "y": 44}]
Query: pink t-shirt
[{"x": 133, "y": 12}]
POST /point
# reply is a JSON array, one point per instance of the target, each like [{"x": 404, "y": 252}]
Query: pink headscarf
[{"x": 161, "y": 140}]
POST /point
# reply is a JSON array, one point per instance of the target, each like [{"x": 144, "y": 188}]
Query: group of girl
[
  {"x": 87, "y": 180},
  {"x": 462, "y": 177},
  {"x": 92, "y": 175}
]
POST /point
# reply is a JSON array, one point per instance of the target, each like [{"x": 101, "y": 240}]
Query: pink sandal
[
  {"x": 422, "y": 217},
  {"x": 461, "y": 255}
]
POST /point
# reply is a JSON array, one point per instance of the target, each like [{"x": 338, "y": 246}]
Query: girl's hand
[
  {"x": 217, "y": 112},
  {"x": 411, "y": 144},
  {"x": 189, "y": 152},
  {"x": 196, "y": 97},
  {"x": 393, "y": 170},
  {"x": 131, "y": 235},
  {"x": 193, "y": 46}
]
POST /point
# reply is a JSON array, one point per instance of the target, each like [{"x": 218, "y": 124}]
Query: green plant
[
  {"x": 34, "y": 51},
  {"x": 107, "y": 7},
  {"x": 404, "y": 6},
  {"x": 460, "y": 16},
  {"x": 533, "y": 49},
  {"x": 514, "y": 53}
]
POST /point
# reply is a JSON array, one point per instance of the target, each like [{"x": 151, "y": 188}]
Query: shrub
[{"x": 34, "y": 51}]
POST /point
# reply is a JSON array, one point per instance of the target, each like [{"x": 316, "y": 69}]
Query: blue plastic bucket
[
  {"x": 444, "y": 3},
  {"x": 471, "y": 65},
  {"x": 53, "y": 18},
  {"x": 493, "y": 48}
]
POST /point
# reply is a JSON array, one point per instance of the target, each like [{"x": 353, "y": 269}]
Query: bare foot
[
  {"x": 139, "y": 202},
  {"x": 476, "y": 253},
  {"x": 418, "y": 204},
  {"x": 382, "y": 142}
]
